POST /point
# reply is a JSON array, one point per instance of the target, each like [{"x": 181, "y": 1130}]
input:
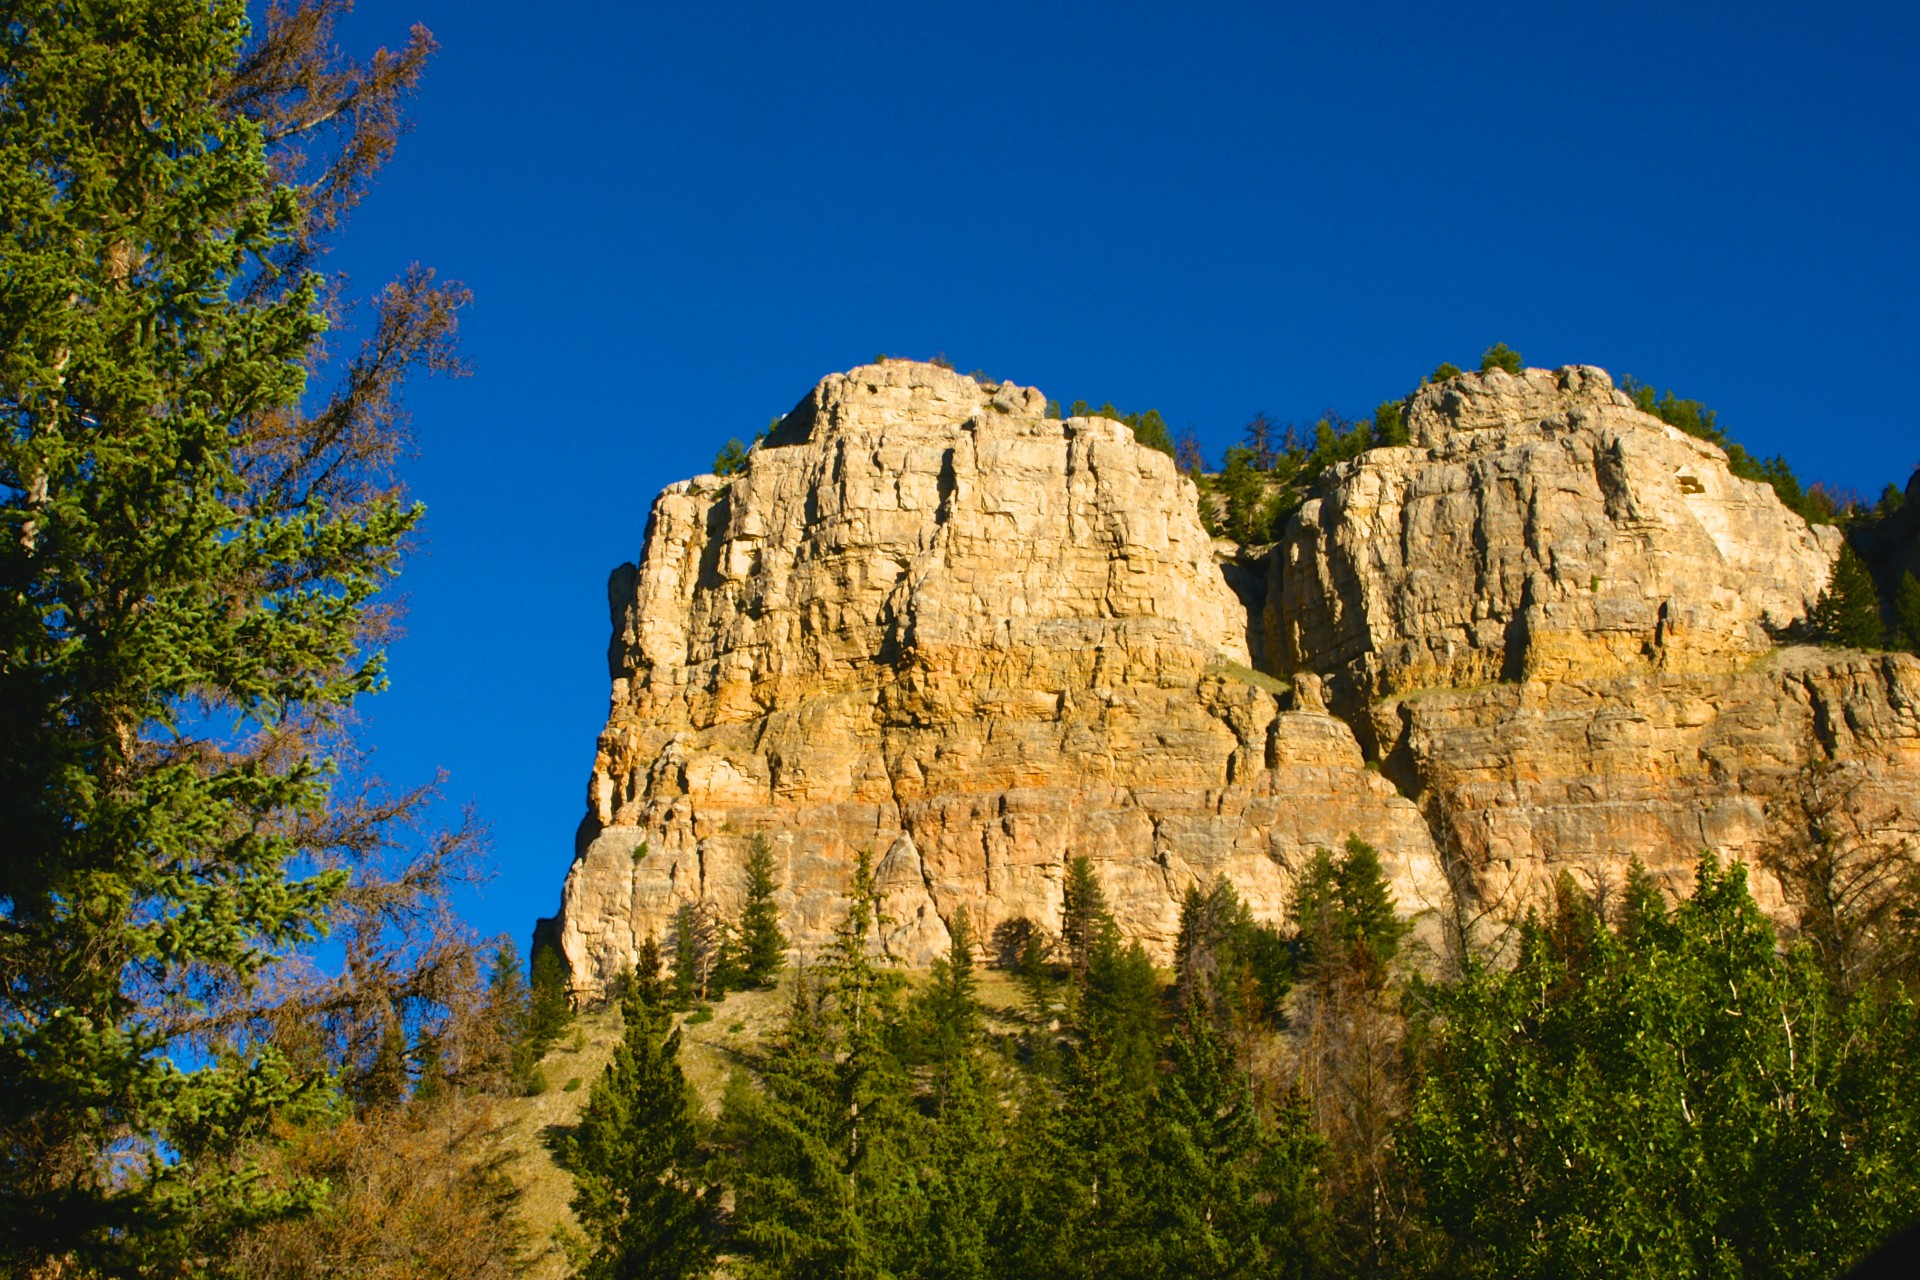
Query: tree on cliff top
[{"x": 191, "y": 551}]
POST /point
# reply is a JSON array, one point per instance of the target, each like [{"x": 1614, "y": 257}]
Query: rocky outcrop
[
  {"x": 1539, "y": 527},
  {"x": 930, "y": 625},
  {"x": 1582, "y": 774},
  {"x": 1554, "y": 618}
]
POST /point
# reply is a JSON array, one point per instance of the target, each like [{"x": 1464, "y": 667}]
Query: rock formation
[
  {"x": 931, "y": 624},
  {"x": 928, "y": 624},
  {"x": 1554, "y": 618}
]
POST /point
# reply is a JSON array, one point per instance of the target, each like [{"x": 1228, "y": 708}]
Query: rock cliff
[{"x": 929, "y": 623}]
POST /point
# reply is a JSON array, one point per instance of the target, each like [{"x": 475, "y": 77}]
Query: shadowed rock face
[
  {"x": 930, "y": 624},
  {"x": 933, "y": 626}
]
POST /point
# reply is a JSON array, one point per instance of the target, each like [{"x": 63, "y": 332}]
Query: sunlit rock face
[
  {"x": 929, "y": 624},
  {"x": 1539, "y": 526},
  {"x": 1554, "y": 619}
]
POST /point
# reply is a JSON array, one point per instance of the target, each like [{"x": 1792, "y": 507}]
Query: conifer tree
[
  {"x": 188, "y": 561},
  {"x": 549, "y": 1003},
  {"x": 1203, "y": 1208},
  {"x": 511, "y": 1053},
  {"x": 638, "y": 1190},
  {"x": 763, "y": 947},
  {"x": 964, "y": 1155},
  {"x": 827, "y": 1185},
  {"x": 1906, "y": 613},
  {"x": 1343, "y": 912},
  {"x": 1083, "y": 913},
  {"x": 1848, "y": 611},
  {"x": 1229, "y": 965},
  {"x": 1500, "y": 356},
  {"x": 1389, "y": 425}
]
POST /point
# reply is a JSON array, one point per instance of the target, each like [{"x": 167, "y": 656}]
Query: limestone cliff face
[
  {"x": 1554, "y": 619},
  {"x": 1538, "y": 526},
  {"x": 930, "y": 624}
]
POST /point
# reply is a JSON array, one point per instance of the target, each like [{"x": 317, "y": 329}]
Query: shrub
[{"x": 1500, "y": 356}]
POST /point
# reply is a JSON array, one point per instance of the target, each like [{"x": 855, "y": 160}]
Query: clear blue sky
[{"x": 676, "y": 218}]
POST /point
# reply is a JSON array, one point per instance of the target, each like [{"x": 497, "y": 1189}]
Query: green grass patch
[{"x": 1247, "y": 675}]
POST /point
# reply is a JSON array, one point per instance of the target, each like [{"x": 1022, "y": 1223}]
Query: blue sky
[{"x": 675, "y": 219}]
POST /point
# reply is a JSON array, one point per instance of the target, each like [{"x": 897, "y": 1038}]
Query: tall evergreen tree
[
  {"x": 1343, "y": 912},
  {"x": 549, "y": 1002},
  {"x": 188, "y": 561},
  {"x": 763, "y": 947},
  {"x": 638, "y": 1193},
  {"x": 1203, "y": 1208},
  {"x": 1906, "y": 613},
  {"x": 1848, "y": 611},
  {"x": 964, "y": 1155},
  {"x": 828, "y": 1185},
  {"x": 1227, "y": 964},
  {"x": 1083, "y": 914}
]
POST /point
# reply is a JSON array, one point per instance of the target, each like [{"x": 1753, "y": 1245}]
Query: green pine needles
[
  {"x": 638, "y": 1189},
  {"x": 189, "y": 565}
]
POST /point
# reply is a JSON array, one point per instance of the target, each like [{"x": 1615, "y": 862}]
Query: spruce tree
[
  {"x": 964, "y": 1155},
  {"x": 1906, "y": 613},
  {"x": 1343, "y": 912},
  {"x": 549, "y": 1003},
  {"x": 827, "y": 1183},
  {"x": 1083, "y": 909},
  {"x": 188, "y": 563},
  {"x": 763, "y": 948},
  {"x": 638, "y": 1189},
  {"x": 1203, "y": 1210},
  {"x": 1848, "y": 611}
]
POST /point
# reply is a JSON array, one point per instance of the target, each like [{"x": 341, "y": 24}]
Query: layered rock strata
[
  {"x": 1554, "y": 619},
  {"x": 930, "y": 625}
]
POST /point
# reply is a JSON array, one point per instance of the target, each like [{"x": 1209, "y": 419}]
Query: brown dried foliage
[{"x": 417, "y": 1192}]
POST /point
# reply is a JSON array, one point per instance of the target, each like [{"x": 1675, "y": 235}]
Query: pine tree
[
  {"x": 1500, "y": 356},
  {"x": 549, "y": 1004},
  {"x": 638, "y": 1193},
  {"x": 1906, "y": 614},
  {"x": 188, "y": 561},
  {"x": 1083, "y": 908},
  {"x": 763, "y": 947},
  {"x": 1848, "y": 611},
  {"x": 827, "y": 1182}
]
